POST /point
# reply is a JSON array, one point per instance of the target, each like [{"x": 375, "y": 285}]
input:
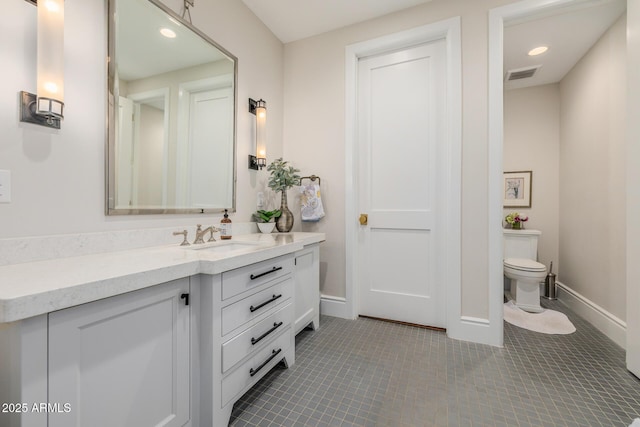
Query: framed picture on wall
[{"x": 517, "y": 189}]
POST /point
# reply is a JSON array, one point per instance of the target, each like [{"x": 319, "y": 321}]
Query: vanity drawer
[
  {"x": 247, "y": 309},
  {"x": 255, "y": 337},
  {"x": 255, "y": 367},
  {"x": 235, "y": 282}
]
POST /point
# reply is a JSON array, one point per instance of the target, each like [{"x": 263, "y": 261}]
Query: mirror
[{"x": 171, "y": 124}]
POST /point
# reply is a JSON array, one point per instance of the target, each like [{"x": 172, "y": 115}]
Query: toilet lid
[{"x": 524, "y": 264}]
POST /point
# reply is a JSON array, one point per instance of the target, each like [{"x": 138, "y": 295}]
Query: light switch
[{"x": 5, "y": 186}]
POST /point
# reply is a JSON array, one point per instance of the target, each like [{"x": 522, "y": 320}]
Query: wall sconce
[
  {"x": 259, "y": 108},
  {"x": 47, "y": 107}
]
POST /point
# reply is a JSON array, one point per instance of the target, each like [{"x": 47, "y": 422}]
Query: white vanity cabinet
[
  {"x": 158, "y": 336},
  {"x": 307, "y": 292},
  {"x": 122, "y": 361},
  {"x": 246, "y": 329}
]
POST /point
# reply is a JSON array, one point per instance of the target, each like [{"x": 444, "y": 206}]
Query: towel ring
[{"x": 312, "y": 178}]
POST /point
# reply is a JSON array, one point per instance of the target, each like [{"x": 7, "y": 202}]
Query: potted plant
[
  {"x": 282, "y": 178},
  {"x": 516, "y": 220},
  {"x": 265, "y": 219}
]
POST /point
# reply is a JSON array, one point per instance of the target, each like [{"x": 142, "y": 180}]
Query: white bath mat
[{"x": 546, "y": 322}]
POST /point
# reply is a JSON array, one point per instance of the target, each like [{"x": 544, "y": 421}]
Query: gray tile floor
[{"x": 370, "y": 373}]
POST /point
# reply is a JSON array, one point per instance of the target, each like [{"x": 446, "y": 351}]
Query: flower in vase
[{"x": 515, "y": 219}]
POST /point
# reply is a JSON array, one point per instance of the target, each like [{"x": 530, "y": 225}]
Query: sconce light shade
[
  {"x": 47, "y": 107},
  {"x": 51, "y": 57},
  {"x": 259, "y": 108},
  {"x": 261, "y": 133}
]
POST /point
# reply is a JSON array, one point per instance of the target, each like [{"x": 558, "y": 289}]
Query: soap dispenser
[{"x": 225, "y": 227}]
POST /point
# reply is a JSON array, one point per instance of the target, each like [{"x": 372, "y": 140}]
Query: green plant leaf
[
  {"x": 266, "y": 216},
  {"x": 282, "y": 176}
]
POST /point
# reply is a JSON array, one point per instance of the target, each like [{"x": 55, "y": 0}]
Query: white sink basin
[{"x": 224, "y": 247}]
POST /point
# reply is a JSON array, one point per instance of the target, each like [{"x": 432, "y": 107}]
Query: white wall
[
  {"x": 315, "y": 129},
  {"x": 58, "y": 177},
  {"x": 532, "y": 142},
  {"x": 593, "y": 174}
]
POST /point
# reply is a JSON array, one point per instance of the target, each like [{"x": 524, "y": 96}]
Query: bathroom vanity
[{"x": 157, "y": 336}]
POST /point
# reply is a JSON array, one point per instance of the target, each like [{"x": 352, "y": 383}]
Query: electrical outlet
[{"x": 5, "y": 186}]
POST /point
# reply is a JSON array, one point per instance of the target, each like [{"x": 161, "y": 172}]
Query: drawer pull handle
[
  {"x": 273, "y": 270},
  {"x": 275, "y": 297},
  {"x": 274, "y": 353},
  {"x": 255, "y": 341},
  {"x": 185, "y": 297}
]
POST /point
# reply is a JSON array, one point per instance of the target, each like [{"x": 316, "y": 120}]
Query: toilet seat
[{"x": 525, "y": 265}]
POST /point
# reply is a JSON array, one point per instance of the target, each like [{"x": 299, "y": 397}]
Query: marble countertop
[{"x": 33, "y": 288}]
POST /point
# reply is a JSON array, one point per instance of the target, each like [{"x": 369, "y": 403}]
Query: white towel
[
  {"x": 311, "y": 209},
  {"x": 635, "y": 423}
]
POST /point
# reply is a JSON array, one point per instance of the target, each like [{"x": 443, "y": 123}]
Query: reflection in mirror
[{"x": 171, "y": 142}]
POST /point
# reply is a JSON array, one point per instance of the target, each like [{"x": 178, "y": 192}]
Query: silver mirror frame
[{"x": 110, "y": 184}]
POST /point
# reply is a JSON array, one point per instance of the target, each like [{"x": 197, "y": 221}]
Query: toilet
[{"x": 521, "y": 270}]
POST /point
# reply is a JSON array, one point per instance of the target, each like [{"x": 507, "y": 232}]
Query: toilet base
[{"x": 526, "y": 295}]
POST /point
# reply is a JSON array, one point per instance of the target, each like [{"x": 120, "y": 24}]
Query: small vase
[
  {"x": 516, "y": 225},
  {"x": 284, "y": 223},
  {"x": 266, "y": 227}
]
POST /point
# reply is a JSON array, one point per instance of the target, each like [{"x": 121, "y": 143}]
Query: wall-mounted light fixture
[
  {"x": 46, "y": 108},
  {"x": 259, "y": 108}
]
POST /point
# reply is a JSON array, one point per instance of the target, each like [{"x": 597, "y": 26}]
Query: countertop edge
[{"x": 58, "y": 297}]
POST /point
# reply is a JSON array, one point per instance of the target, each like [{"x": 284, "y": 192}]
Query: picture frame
[{"x": 517, "y": 189}]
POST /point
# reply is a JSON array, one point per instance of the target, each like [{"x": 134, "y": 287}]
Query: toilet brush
[{"x": 550, "y": 284}]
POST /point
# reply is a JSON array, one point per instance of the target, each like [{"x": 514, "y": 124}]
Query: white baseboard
[
  {"x": 610, "y": 325},
  {"x": 473, "y": 329},
  {"x": 334, "y": 306},
  {"x": 478, "y": 330}
]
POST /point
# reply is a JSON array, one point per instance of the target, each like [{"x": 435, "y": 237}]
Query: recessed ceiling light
[
  {"x": 168, "y": 33},
  {"x": 538, "y": 50}
]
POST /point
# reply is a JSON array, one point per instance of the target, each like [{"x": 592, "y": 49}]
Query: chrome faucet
[{"x": 200, "y": 233}]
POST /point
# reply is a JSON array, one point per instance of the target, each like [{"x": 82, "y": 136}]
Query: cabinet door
[
  {"x": 122, "y": 361},
  {"x": 307, "y": 289}
]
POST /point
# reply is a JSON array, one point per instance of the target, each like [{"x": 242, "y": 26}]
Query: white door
[
  {"x": 210, "y": 130},
  {"x": 307, "y": 288},
  {"x": 401, "y": 102}
]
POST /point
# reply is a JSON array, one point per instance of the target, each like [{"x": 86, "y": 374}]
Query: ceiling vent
[{"x": 521, "y": 73}]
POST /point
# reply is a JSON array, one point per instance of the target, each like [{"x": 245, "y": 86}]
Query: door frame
[
  {"x": 139, "y": 98},
  {"x": 449, "y": 30},
  {"x": 633, "y": 197},
  {"x": 497, "y": 18}
]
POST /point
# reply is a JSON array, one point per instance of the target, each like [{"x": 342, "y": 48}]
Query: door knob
[{"x": 364, "y": 219}]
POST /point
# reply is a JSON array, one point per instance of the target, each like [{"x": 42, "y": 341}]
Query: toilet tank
[{"x": 521, "y": 243}]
